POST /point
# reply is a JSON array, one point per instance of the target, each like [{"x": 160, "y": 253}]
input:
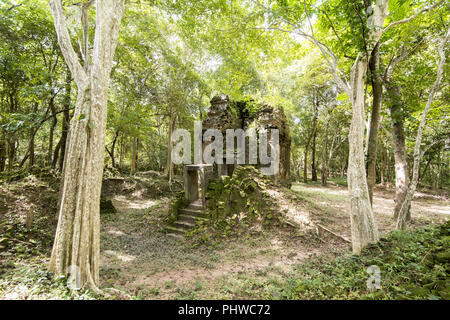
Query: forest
[{"x": 95, "y": 95}]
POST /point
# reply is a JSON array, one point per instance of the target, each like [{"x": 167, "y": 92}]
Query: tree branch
[
  {"x": 396, "y": 23},
  {"x": 65, "y": 43}
]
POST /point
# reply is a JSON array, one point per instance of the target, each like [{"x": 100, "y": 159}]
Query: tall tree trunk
[
  {"x": 113, "y": 148},
  {"x": 11, "y": 152},
  {"x": 56, "y": 153},
  {"x": 364, "y": 230},
  {"x": 439, "y": 171},
  {"x": 2, "y": 152},
  {"x": 308, "y": 143},
  {"x": 169, "y": 165},
  {"x": 377, "y": 89},
  {"x": 121, "y": 152},
  {"x": 400, "y": 158},
  {"x": 134, "y": 155},
  {"x": 76, "y": 248},
  {"x": 324, "y": 156},
  {"x": 52, "y": 130},
  {"x": 313, "y": 158},
  {"x": 403, "y": 213},
  {"x": 31, "y": 149},
  {"x": 423, "y": 172},
  {"x": 65, "y": 120},
  {"x": 314, "y": 134},
  {"x": 31, "y": 144}
]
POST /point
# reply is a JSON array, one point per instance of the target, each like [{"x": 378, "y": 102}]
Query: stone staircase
[{"x": 187, "y": 217}]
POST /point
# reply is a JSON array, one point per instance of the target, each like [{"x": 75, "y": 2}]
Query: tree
[
  {"x": 77, "y": 239},
  {"x": 402, "y": 215},
  {"x": 364, "y": 230}
]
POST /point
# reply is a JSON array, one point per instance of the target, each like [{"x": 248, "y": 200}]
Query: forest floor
[
  {"x": 141, "y": 262},
  {"x": 139, "y": 259}
]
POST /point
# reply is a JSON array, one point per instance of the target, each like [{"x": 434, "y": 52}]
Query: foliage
[{"x": 413, "y": 264}]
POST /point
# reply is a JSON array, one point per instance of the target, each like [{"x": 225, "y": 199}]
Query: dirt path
[
  {"x": 138, "y": 258},
  {"x": 425, "y": 209}
]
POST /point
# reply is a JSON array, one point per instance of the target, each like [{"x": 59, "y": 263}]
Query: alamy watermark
[
  {"x": 209, "y": 147},
  {"x": 374, "y": 281}
]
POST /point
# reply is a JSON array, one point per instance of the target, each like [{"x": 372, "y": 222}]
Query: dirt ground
[{"x": 138, "y": 259}]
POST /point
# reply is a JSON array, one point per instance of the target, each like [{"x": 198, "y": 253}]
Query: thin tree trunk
[
  {"x": 403, "y": 213},
  {"x": 31, "y": 145},
  {"x": 305, "y": 158},
  {"x": 2, "y": 153},
  {"x": 439, "y": 173},
  {"x": 377, "y": 88},
  {"x": 65, "y": 120},
  {"x": 121, "y": 152},
  {"x": 11, "y": 152},
  {"x": 31, "y": 148},
  {"x": 324, "y": 156},
  {"x": 52, "y": 130},
  {"x": 56, "y": 153},
  {"x": 313, "y": 158},
  {"x": 313, "y": 147},
  {"x": 168, "y": 172},
  {"x": 113, "y": 148},
  {"x": 424, "y": 171},
  {"x": 134, "y": 155}
]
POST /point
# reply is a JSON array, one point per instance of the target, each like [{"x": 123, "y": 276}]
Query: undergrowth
[{"x": 413, "y": 265}]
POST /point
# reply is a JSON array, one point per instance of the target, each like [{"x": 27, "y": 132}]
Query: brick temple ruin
[{"x": 224, "y": 114}]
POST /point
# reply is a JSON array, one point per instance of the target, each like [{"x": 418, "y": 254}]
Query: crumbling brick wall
[{"x": 225, "y": 114}]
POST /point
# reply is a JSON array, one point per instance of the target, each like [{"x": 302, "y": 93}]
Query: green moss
[
  {"x": 238, "y": 205},
  {"x": 178, "y": 203}
]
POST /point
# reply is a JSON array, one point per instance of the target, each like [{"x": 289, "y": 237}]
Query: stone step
[
  {"x": 175, "y": 236},
  {"x": 175, "y": 230},
  {"x": 190, "y": 219},
  {"x": 194, "y": 213},
  {"x": 183, "y": 225},
  {"x": 195, "y": 206}
]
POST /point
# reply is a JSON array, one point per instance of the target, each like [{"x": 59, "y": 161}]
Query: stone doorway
[{"x": 195, "y": 181}]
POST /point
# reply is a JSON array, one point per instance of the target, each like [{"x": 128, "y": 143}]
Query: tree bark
[
  {"x": 32, "y": 135},
  {"x": 65, "y": 120},
  {"x": 113, "y": 148},
  {"x": 308, "y": 143},
  {"x": 313, "y": 158},
  {"x": 12, "y": 147},
  {"x": 313, "y": 148},
  {"x": 2, "y": 153},
  {"x": 52, "y": 129},
  {"x": 377, "y": 90},
  {"x": 324, "y": 156},
  {"x": 76, "y": 248},
  {"x": 400, "y": 157},
  {"x": 134, "y": 155},
  {"x": 364, "y": 230},
  {"x": 168, "y": 172},
  {"x": 31, "y": 148},
  {"x": 56, "y": 153}
]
